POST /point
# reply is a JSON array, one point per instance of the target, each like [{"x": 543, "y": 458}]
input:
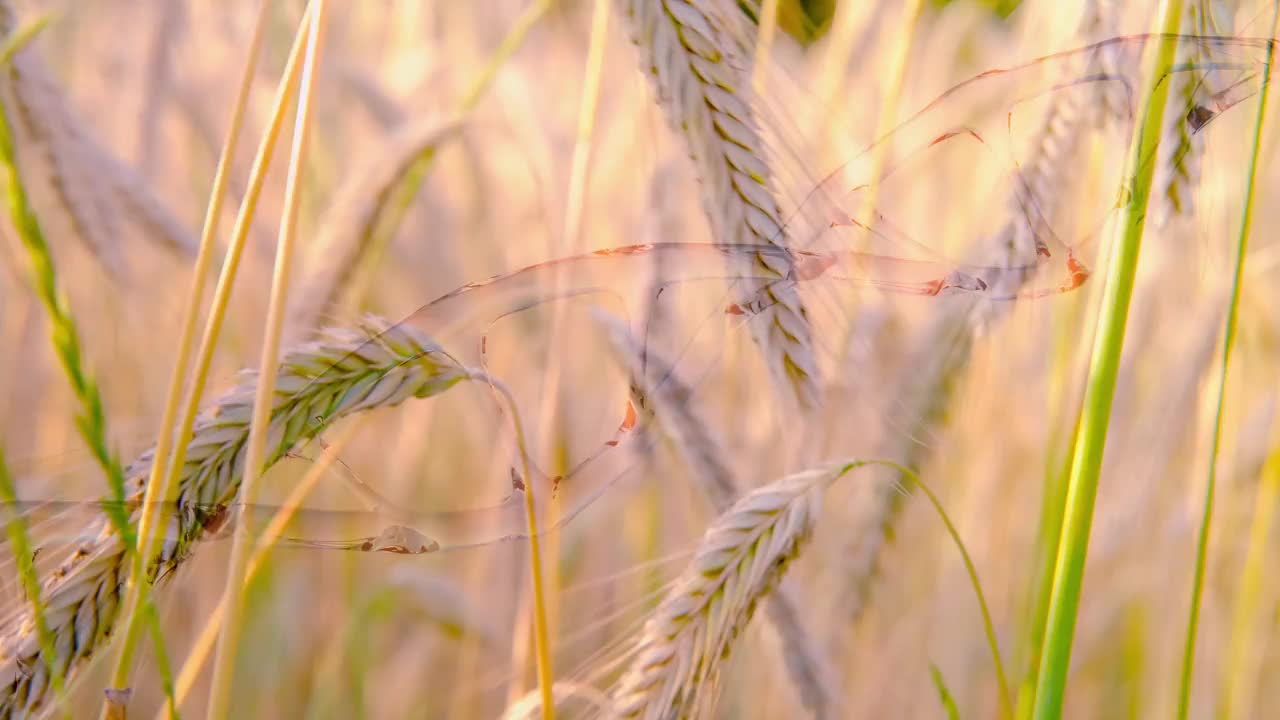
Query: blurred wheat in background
[{"x": 639, "y": 358}]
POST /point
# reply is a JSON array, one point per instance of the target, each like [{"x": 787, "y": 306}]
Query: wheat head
[
  {"x": 741, "y": 557},
  {"x": 701, "y": 74},
  {"x": 83, "y": 185},
  {"x": 340, "y": 374},
  {"x": 668, "y": 403}
]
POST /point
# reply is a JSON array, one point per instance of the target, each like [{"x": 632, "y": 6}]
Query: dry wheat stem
[
  {"x": 741, "y": 557},
  {"x": 338, "y": 375},
  {"x": 694, "y": 53},
  {"x": 165, "y": 477}
]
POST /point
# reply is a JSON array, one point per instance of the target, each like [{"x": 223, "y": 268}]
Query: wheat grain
[
  {"x": 338, "y": 375},
  {"x": 694, "y": 53},
  {"x": 741, "y": 557}
]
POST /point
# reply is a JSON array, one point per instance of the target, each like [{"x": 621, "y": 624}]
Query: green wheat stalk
[
  {"x": 1086, "y": 468},
  {"x": 1228, "y": 341}
]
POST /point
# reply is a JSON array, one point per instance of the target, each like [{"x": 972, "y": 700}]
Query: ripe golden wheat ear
[
  {"x": 670, "y": 405},
  {"x": 741, "y": 558},
  {"x": 693, "y": 51}
]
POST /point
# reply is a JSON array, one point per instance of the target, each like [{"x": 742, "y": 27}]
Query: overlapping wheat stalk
[
  {"x": 741, "y": 558},
  {"x": 701, "y": 74},
  {"x": 340, "y": 374},
  {"x": 95, "y": 191}
]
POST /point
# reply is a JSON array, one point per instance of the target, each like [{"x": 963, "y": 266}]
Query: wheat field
[{"x": 639, "y": 358}]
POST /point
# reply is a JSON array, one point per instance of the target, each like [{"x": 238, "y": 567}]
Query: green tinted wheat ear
[
  {"x": 702, "y": 77},
  {"x": 338, "y": 375},
  {"x": 741, "y": 557},
  {"x": 81, "y": 184}
]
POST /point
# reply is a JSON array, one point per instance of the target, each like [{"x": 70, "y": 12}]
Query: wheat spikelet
[
  {"x": 702, "y": 78},
  {"x": 350, "y": 226},
  {"x": 81, "y": 183},
  {"x": 741, "y": 557},
  {"x": 338, "y": 375}
]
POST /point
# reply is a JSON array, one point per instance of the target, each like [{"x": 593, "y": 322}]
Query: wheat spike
[
  {"x": 667, "y": 400},
  {"x": 740, "y": 559},
  {"x": 701, "y": 74},
  {"x": 340, "y": 374},
  {"x": 82, "y": 183}
]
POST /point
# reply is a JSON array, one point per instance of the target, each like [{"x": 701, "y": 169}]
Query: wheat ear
[
  {"x": 702, "y": 78},
  {"x": 338, "y": 375},
  {"x": 665, "y": 399},
  {"x": 739, "y": 560},
  {"x": 85, "y": 183}
]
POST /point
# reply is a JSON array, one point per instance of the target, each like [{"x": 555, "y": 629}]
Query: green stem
[
  {"x": 1228, "y": 340},
  {"x": 1082, "y": 488}
]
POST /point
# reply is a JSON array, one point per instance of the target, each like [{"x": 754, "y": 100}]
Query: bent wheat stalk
[
  {"x": 338, "y": 375},
  {"x": 742, "y": 556},
  {"x": 702, "y": 78}
]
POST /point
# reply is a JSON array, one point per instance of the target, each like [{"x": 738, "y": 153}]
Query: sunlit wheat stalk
[
  {"x": 741, "y": 557},
  {"x": 701, "y": 73},
  {"x": 164, "y": 482},
  {"x": 338, "y": 375},
  {"x": 95, "y": 191},
  {"x": 257, "y": 444}
]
